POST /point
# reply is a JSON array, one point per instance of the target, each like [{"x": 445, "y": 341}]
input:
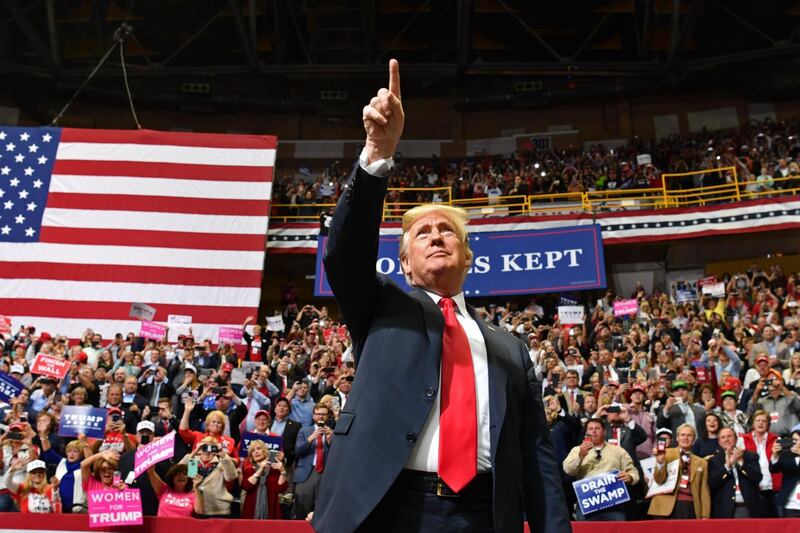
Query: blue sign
[
  {"x": 509, "y": 262},
  {"x": 76, "y": 419},
  {"x": 273, "y": 442},
  {"x": 9, "y": 387},
  {"x": 600, "y": 492}
]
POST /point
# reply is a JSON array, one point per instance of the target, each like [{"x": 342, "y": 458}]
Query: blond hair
[{"x": 459, "y": 217}]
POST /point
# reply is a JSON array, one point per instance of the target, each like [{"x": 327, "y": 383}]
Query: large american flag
[{"x": 93, "y": 220}]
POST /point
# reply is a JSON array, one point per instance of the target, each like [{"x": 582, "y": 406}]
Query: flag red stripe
[
  {"x": 159, "y": 204},
  {"x": 130, "y": 274},
  {"x": 163, "y": 170},
  {"x": 206, "y": 140},
  {"x": 119, "y": 310},
  {"x": 149, "y": 239}
]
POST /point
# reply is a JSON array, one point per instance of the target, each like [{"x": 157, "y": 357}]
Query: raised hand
[{"x": 384, "y": 118}]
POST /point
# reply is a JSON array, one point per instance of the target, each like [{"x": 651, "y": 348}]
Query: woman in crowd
[
  {"x": 215, "y": 425},
  {"x": 105, "y": 360},
  {"x": 691, "y": 497},
  {"x": 707, "y": 445},
  {"x": 97, "y": 472},
  {"x": 791, "y": 376},
  {"x": 762, "y": 442},
  {"x": 217, "y": 470},
  {"x": 34, "y": 494},
  {"x": 16, "y": 446},
  {"x": 787, "y": 462},
  {"x": 264, "y": 479},
  {"x": 178, "y": 496},
  {"x": 45, "y": 431},
  {"x": 331, "y": 402},
  {"x": 78, "y": 396},
  {"x": 68, "y": 473},
  {"x": 705, "y": 398}
]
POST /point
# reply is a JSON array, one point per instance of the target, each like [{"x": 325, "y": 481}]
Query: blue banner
[
  {"x": 9, "y": 387},
  {"x": 75, "y": 419},
  {"x": 509, "y": 262},
  {"x": 273, "y": 442},
  {"x": 600, "y": 492}
]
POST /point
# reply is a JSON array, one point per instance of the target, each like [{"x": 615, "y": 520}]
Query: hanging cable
[
  {"x": 126, "y": 30},
  {"x": 120, "y": 35}
]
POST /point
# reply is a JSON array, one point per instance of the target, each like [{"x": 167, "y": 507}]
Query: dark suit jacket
[
  {"x": 787, "y": 465},
  {"x": 673, "y": 418},
  {"x": 397, "y": 345},
  {"x": 166, "y": 391},
  {"x": 723, "y": 491},
  {"x": 290, "y": 431},
  {"x": 629, "y": 438},
  {"x": 305, "y": 452}
]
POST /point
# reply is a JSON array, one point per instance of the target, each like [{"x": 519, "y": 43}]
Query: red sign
[{"x": 50, "y": 366}]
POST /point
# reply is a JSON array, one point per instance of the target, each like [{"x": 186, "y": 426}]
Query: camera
[
  {"x": 662, "y": 445},
  {"x": 320, "y": 425},
  {"x": 23, "y": 417},
  {"x": 209, "y": 448},
  {"x": 14, "y": 435},
  {"x": 116, "y": 417},
  {"x": 786, "y": 442},
  {"x": 613, "y": 409},
  {"x": 145, "y": 439},
  {"x": 219, "y": 391}
]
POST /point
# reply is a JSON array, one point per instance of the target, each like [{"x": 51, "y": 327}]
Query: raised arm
[
  {"x": 155, "y": 481},
  {"x": 352, "y": 246}
]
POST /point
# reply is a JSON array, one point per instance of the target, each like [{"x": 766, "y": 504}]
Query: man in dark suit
[
  {"x": 733, "y": 478},
  {"x": 444, "y": 428},
  {"x": 677, "y": 410},
  {"x": 158, "y": 387},
  {"x": 286, "y": 428},
  {"x": 311, "y": 448}
]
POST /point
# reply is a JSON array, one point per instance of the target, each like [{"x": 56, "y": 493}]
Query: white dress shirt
[{"x": 425, "y": 455}]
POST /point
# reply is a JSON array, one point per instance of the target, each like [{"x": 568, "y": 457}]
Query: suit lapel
[
  {"x": 434, "y": 325},
  {"x": 498, "y": 376}
]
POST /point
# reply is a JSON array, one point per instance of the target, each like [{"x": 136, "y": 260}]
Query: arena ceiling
[{"x": 325, "y": 55}]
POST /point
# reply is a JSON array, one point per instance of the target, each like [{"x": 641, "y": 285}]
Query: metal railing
[{"x": 670, "y": 194}]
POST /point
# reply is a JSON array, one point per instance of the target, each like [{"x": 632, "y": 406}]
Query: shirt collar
[{"x": 459, "y": 300}]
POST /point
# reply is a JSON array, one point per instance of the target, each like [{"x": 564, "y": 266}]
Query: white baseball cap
[
  {"x": 189, "y": 366},
  {"x": 18, "y": 369},
  {"x": 145, "y": 425},
  {"x": 35, "y": 465}
]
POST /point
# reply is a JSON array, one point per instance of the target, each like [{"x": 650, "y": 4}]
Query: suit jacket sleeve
[
  {"x": 545, "y": 505},
  {"x": 717, "y": 473},
  {"x": 302, "y": 446},
  {"x": 705, "y": 498},
  {"x": 630, "y": 468},
  {"x": 353, "y": 248},
  {"x": 750, "y": 468},
  {"x": 639, "y": 435}
]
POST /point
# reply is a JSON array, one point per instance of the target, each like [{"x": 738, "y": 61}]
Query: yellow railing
[{"x": 670, "y": 194}]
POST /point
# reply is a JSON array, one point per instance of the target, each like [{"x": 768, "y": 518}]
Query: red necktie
[
  {"x": 320, "y": 466},
  {"x": 458, "y": 424}
]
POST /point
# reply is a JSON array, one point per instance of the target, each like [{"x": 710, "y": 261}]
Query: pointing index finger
[{"x": 394, "y": 78}]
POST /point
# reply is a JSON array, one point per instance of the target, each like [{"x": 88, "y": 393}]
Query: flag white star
[
  {"x": 5, "y": 171},
  {"x": 19, "y": 158},
  {"x": 14, "y": 182},
  {"x": 46, "y": 137},
  {"x": 10, "y": 147},
  {"x": 33, "y": 148},
  {"x": 37, "y": 184},
  {"x": 29, "y": 232},
  {"x": 23, "y": 194},
  {"x": 32, "y": 206},
  {"x": 8, "y": 205},
  {"x": 20, "y": 219},
  {"x": 28, "y": 171},
  {"x": 5, "y": 230},
  {"x": 25, "y": 136},
  {"x": 2, "y": 136},
  {"x": 42, "y": 160},
  {"x": 2, "y": 193}
]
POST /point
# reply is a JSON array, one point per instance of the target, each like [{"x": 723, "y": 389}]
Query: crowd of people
[
  {"x": 764, "y": 153},
  {"x": 699, "y": 389}
]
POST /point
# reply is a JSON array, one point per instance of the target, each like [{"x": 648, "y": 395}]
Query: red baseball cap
[
  {"x": 44, "y": 336},
  {"x": 114, "y": 410},
  {"x": 762, "y": 358},
  {"x": 262, "y": 412},
  {"x": 227, "y": 367}
]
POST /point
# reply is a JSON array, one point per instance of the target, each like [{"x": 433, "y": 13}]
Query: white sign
[
  {"x": 571, "y": 314},
  {"x": 653, "y": 488},
  {"x": 644, "y": 159},
  {"x": 178, "y": 325},
  {"x": 717, "y": 290},
  {"x": 275, "y": 323},
  {"x": 142, "y": 311}
]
